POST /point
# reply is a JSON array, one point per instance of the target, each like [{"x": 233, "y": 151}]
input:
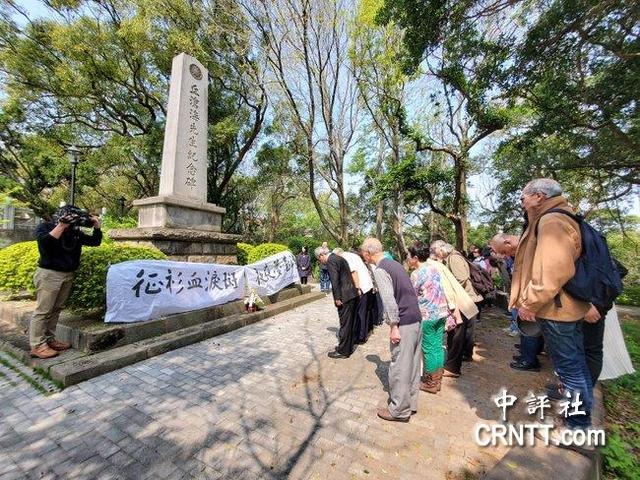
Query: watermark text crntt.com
[{"x": 524, "y": 434}]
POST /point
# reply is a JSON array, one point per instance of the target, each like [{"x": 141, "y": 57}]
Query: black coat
[{"x": 341, "y": 281}]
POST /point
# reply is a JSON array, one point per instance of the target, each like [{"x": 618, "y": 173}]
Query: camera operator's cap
[{"x": 529, "y": 329}]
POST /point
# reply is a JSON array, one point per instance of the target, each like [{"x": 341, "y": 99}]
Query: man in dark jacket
[
  {"x": 60, "y": 245},
  {"x": 345, "y": 297}
]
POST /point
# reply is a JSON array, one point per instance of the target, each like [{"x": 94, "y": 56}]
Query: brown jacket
[
  {"x": 460, "y": 269},
  {"x": 544, "y": 264}
]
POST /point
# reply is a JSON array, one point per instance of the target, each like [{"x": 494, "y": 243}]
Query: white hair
[
  {"x": 441, "y": 248},
  {"x": 371, "y": 245},
  {"x": 321, "y": 251},
  {"x": 338, "y": 251},
  {"x": 546, "y": 186}
]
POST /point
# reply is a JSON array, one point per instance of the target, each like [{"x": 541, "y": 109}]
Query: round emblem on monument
[{"x": 195, "y": 71}]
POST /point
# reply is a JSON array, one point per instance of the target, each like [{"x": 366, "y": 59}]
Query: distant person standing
[
  {"x": 325, "y": 280},
  {"x": 304, "y": 265}
]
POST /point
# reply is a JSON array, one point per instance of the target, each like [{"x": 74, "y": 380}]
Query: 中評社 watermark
[{"x": 527, "y": 433}]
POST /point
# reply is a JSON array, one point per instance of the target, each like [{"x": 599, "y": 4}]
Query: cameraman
[{"x": 60, "y": 246}]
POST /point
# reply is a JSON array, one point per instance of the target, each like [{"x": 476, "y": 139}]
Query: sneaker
[{"x": 514, "y": 333}]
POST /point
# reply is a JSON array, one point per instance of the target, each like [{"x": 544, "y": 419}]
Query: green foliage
[
  {"x": 626, "y": 248},
  {"x": 110, "y": 222},
  {"x": 244, "y": 250},
  {"x": 618, "y": 460},
  {"x": 480, "y": 235},
  {"x": 622, "y": 404},
  {"x": 630, "y": 296},
  {"x": 265, "y": 250},
  {"x": 18, "y": 264},
  {"x": 578, "y": 68},
  {"x": 96, "y": 75},
  {"x": 89, "y": 286}
]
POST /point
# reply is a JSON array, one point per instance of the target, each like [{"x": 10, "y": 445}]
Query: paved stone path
[{"x": 260, "y": 402}]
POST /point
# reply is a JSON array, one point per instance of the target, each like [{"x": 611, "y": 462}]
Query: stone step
[
  {"x": 93, "y": 335},
  {"x": 74, "y": 367}
]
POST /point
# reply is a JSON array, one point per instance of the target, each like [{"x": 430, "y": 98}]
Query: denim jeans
[
  {"x": 566, "y": 348},
  {"x": 530, "y": 348},
  {"x": 325, "y": 282},
  {"x": 514, "y": 320}
]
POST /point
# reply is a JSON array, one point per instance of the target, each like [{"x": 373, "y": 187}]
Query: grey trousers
[
  {"x": 52, "y": 290},
  {"x": 405, "y": 370}
]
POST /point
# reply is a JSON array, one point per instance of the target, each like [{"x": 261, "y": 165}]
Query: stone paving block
[
  {"x": 12, "y": 475},
  {"x": 263, "y": 396},
  {"x": 75, "y": 371}
]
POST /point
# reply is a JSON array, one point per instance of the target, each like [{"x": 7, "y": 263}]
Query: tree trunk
[{"x": 379, "y": 218}]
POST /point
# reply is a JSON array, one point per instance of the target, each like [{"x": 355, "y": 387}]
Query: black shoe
[
  {"x": 525, "y": 367},
  {"x": 335, "y": 354},
  {"x": 517, "y": 345},
  {"x": 554, "y": 391}
]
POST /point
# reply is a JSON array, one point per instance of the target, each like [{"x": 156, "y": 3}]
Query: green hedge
[
  {"x": 89, "y": 286},
  {"x": 244, "y": 250},
  {"x": 265, "y": 250},
  {"x": 18, "y": 264}
]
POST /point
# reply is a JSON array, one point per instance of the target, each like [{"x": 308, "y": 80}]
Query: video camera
[{"x": 74, "y": 216}]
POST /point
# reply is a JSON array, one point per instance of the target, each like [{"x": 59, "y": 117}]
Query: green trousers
[{"x": 432, "y": 350}]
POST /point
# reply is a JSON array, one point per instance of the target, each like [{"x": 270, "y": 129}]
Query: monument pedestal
[
  {"x": 174, "y": 212},
  {"x": 183, "y": 245}
]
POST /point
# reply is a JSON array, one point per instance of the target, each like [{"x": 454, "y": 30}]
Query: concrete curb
[{"x": 75, "y": 367}]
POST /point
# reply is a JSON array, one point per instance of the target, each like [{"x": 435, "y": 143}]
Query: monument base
[
  {"x": 175, "y": 212},
  {"x": 184, "y": 245}
]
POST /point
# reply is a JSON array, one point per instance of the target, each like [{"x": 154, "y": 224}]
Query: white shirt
[{"x": 357, "y": 265}]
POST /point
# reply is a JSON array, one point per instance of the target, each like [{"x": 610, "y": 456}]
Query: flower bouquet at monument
[{"x": 252, "y": 301}]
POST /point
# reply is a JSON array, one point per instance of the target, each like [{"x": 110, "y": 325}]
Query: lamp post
[
  {"x": 122, "y": 201},
  {"x": 75, "y": 158}
]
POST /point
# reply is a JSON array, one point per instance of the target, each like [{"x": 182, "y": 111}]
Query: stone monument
[{"x": 179, "y": 221}]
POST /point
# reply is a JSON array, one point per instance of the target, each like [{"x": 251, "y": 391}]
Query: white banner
[
  {"x": 140, "y": 290},
  {"x": 273, "y": 273}
]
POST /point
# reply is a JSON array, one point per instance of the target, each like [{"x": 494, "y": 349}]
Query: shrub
[
  {"x": 265, "y": 250},
  {"x": 244, "y": 250},
  {"x": 90, "y": 284},
  {"x": 630, "y": 296},
  {"x": 19, "y": 262},
  {"x": 110, "y": 222}
]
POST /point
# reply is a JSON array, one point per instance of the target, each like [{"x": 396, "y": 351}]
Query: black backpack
[
  {"x": 598, "y": 277},
  {"x": 480, "y": 279}
]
